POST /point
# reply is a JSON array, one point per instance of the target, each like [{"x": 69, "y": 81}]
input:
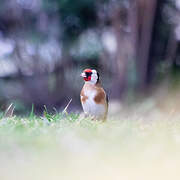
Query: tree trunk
[{"x": 147, "y": 11}]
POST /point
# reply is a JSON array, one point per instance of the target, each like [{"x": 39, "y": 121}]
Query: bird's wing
[{"x": 107, "y": 99}]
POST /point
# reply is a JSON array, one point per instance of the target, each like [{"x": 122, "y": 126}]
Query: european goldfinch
[{"x": 93, "y": 97}]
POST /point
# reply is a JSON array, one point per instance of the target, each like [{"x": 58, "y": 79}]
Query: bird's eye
[{"x": 88, "y": 74}]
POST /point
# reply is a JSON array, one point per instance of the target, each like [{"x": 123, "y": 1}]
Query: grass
[{"x": 141, "y": 142}]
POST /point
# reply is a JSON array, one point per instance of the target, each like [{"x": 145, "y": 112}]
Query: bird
[{"x": 93, "y": 97}]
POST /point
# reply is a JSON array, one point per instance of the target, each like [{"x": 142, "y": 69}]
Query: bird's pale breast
[{"x": 90, "y": 106}]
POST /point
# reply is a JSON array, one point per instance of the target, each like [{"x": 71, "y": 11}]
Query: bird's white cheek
[{"x": 93, "y": 79}]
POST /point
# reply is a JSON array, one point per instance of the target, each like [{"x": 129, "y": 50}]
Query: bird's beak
[{"x": 83, "y": 75}]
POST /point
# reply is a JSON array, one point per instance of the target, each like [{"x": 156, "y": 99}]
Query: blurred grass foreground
[
  {"x": 139, "y": 142},
  {"x": 45, "y": 45}
]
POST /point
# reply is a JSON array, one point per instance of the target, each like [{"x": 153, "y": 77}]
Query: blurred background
[{"x": 44, "y": 46}]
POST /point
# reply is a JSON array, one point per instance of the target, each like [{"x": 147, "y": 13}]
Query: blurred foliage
[{"x": 75, "y": 16}]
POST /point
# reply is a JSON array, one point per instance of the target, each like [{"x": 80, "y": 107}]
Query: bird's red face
[
  {"x": 87, "y": 73},
  {"x": 90, "y": 76}
]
